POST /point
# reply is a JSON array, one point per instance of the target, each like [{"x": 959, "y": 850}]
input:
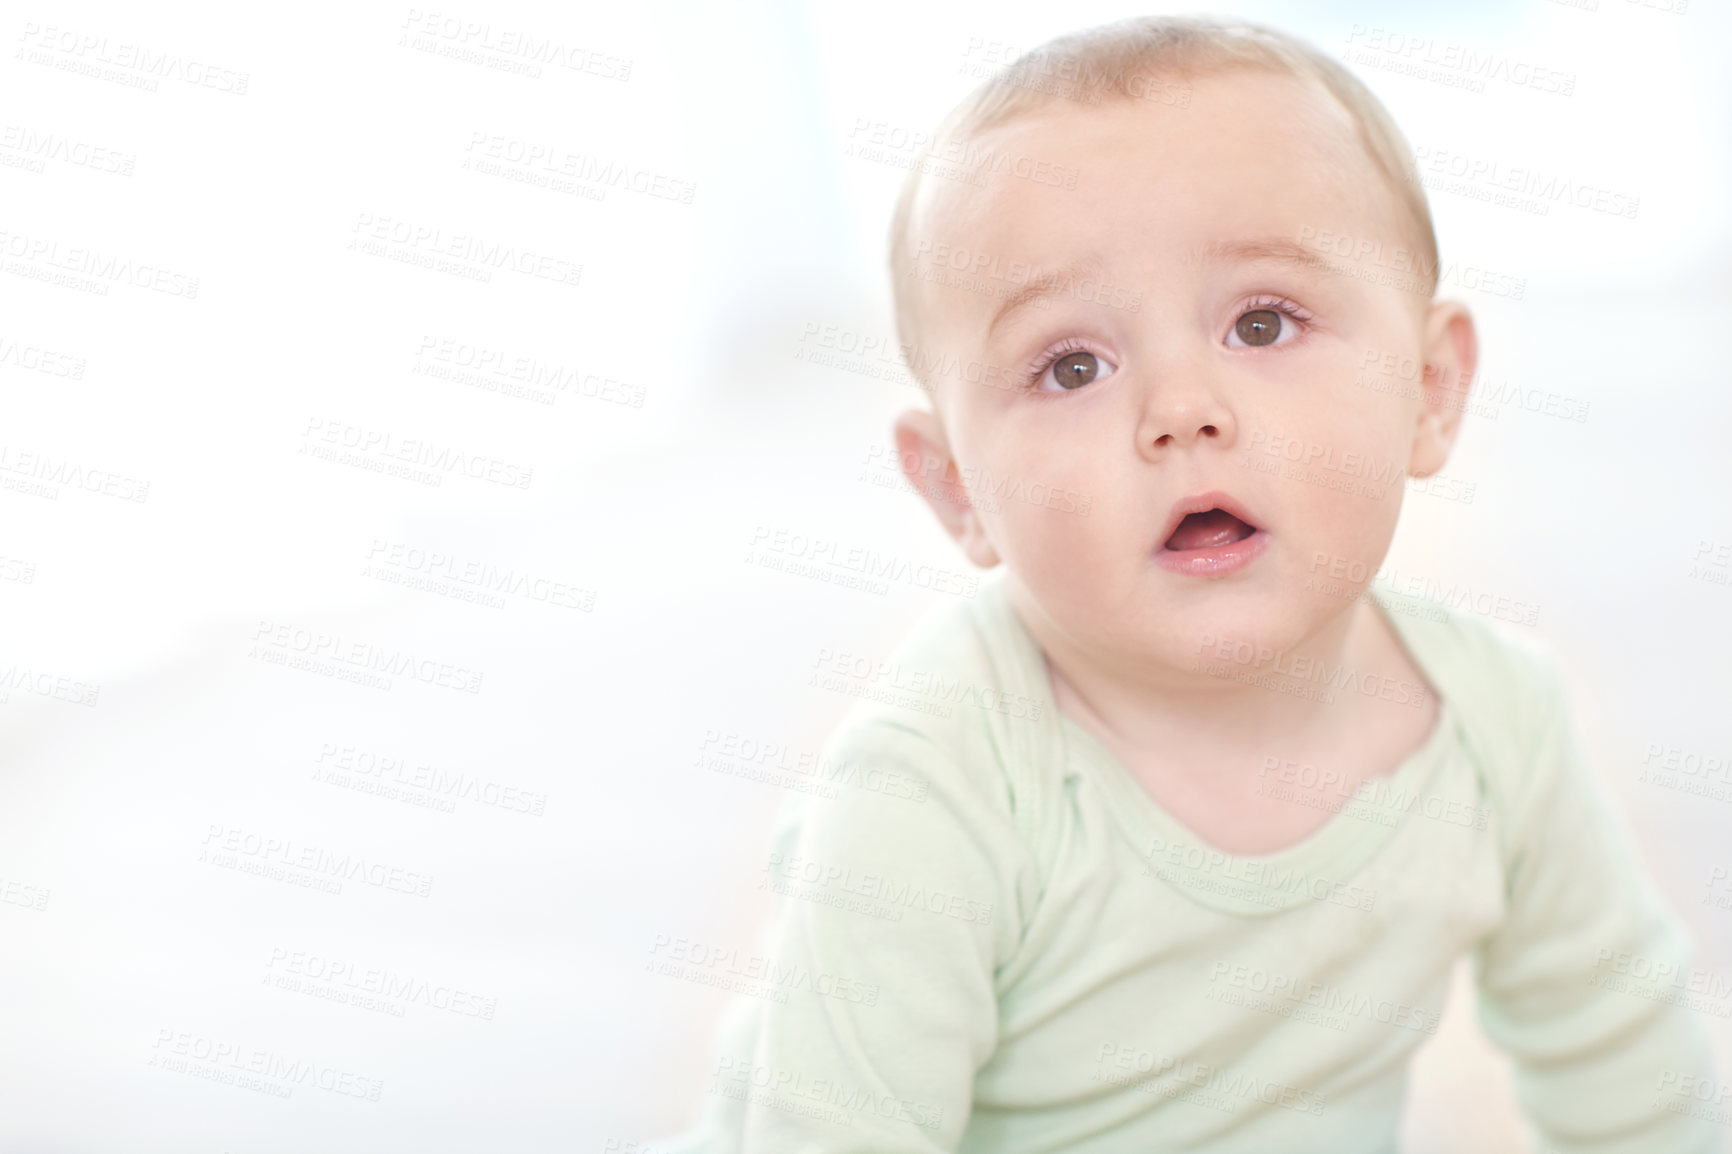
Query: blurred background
[{"x": 397, "y": 401}]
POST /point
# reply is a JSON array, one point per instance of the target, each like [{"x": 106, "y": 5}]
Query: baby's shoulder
[
  {"x": 961, "y": 701},
  {"x": 1504, "y": 688}
]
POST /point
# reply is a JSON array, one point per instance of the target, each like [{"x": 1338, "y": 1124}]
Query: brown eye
[
  {"x": 1259, "y": 327},
  {"x": 1074, "y": 370}
]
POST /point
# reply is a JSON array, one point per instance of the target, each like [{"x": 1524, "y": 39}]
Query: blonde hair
[{"x": 1126, "y": 60}]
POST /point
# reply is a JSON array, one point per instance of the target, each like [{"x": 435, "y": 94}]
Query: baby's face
[{"x": 1202, "y": 351}]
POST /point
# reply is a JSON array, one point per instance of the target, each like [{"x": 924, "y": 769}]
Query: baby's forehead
[
  {"x": 1228, "y": 109},
  {"x": 1255, "y": 155}
]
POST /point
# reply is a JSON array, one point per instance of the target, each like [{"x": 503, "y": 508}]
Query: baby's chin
[{"x": 1173, "y": 620}]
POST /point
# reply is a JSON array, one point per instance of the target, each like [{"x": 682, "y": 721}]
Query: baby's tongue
[{"x": 1208, "y": 531}]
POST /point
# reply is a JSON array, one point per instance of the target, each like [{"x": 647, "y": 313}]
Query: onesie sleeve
[
  {"x": 897, "y": 901},
  {"x": 1589, "y": 983}
]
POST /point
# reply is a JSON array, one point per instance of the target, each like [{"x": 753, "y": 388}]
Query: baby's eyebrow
[
  {"x": 1269, "y": 249},
  {"x": 1045, "y": 284},
  {"x": 1277, "y": 249}
]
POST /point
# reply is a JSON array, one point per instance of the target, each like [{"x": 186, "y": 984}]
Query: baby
[{"x": 1196, "y": 815}]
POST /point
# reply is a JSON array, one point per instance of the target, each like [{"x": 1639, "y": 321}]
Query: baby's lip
[{"x": 1202, "y": 503}]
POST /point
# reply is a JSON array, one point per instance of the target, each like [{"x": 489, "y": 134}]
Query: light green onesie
[{"x": 993, "y": 939}]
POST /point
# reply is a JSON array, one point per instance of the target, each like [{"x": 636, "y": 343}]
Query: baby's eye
[
  {"x": 1260, "y": 327},
  {"x": 1075, "y": 369}
]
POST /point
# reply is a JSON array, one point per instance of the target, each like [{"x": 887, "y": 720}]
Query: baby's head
[{"x": 1159, "y": 267}]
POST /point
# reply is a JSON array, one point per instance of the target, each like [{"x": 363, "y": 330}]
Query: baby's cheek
[
  {"x": 1042, "y": 501},
  {"x": 1348, "y": 533},
  {"x": 1048, "y": 538}
]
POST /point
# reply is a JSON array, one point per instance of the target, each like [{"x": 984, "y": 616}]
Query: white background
[{"x": 644, "y": 515}]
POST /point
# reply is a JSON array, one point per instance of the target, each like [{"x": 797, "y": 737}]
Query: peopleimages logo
[
  {"x": 1262, "y": 882},
  {"x": 785, "y": 870},
  {"x": 1301, "y": 671},
  {"x": 799, "y": 1087},
  {"x": 1324, "y": 996},
  {"x": 991, "y": 266},
  {"x": 226, "y": 845},
  {"x": 1170, "y": 1076},
  {"x": 274, "y": 1072},
  {"x": 277, "y": 643},
  {"x": 832, "y": 669}
]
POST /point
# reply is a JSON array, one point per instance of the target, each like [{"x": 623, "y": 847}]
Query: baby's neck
[
  {"x": 1274, "y": 702},
  {"x": 1200, "y": 751}
]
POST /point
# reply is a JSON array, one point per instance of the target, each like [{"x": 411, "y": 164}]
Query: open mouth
[
  {"x": 1210, "y": 529},
  {"x": 1210, "y": 535}
]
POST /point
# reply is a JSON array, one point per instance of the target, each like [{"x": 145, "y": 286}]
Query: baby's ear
[
  {"x": 1451, "y": 348},
  {"x": 924, "y": 453}
]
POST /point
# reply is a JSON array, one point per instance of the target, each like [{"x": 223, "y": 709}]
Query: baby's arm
[
  {"x": 901, "y": 901},
  {"x": 1596, "y": 1061}
]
